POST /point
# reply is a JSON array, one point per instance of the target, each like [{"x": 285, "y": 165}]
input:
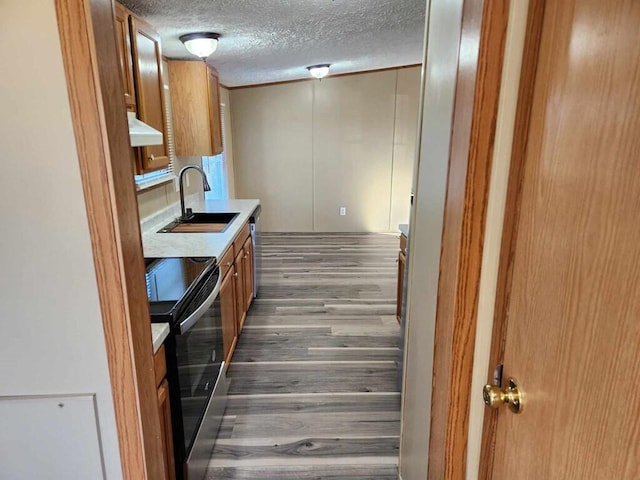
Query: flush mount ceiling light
[
  {"x": 319, "y": 71},
  {"x": 201, "y": 44}
]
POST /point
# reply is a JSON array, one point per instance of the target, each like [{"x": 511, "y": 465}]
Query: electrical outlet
[{"x": 343, "y": 211}]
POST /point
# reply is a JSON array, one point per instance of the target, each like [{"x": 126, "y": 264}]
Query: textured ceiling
[{"x": 274, "y": 40}]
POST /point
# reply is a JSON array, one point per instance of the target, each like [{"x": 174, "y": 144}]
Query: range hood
[{"x": 142, "y": 134}]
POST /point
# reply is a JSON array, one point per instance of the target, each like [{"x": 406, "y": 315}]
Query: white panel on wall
[
  {"x": 50, "y": 437},
  {"x": 272, "y": 153},
  {"x": 404, "y": 143},
  {"x": 353, "y": 119}
]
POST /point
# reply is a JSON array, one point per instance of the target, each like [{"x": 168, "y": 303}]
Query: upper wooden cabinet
[
  {"x": 215, "y": 118},
  {"x": 140, "y": 57},
  {"x": 195, "y": 103},
  {"x": 123, "y": 38},
  {"x": 150, "y": 97}
]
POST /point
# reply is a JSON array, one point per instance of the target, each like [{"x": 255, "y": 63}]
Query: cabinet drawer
[
  {"x": 403, "y": 243},
  {"x": 226, "y": 262},
  {"x": 159, "y": 365},
  {"x": 238, "y": 243}
]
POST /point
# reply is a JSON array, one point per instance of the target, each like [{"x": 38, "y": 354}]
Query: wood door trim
[
  {"x": 471, "y": 152},
  {"x": 533, "y": 35},
  {"x": 87, "y": 39}
]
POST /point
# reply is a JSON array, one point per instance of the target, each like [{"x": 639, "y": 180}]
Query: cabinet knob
[
  {"x": 235, "y": 274},
  {"x": 228, "y": 264},
  {"x": 152, "y": 157}
]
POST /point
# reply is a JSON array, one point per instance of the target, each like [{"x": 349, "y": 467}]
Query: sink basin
[{"x": 201, "y": 223}]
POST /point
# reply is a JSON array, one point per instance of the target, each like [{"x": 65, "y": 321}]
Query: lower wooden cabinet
[
  {"x": 248, "y": 273},
  {"x": 164, "y": 409},
  {"x": 241, "y": 309},
  {"x": 236, "y": 292},
  {"x": 228, "y": 314}
]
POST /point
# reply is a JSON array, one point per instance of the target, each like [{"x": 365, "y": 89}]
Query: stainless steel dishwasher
[{"x": 256, "y": 243}]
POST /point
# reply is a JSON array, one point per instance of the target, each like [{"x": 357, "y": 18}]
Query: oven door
[{"x": 202, "y": 382}]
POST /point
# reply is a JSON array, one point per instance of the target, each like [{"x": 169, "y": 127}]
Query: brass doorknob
[{"x": 512, "y": 395}]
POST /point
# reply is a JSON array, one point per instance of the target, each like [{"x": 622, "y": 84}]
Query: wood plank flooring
[{"x": 313, "y": 390}]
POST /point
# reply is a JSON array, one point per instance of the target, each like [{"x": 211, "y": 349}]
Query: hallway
[{"x": 313, "y": 384}]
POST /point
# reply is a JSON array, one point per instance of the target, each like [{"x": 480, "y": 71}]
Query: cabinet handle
[{"x": 235, "y": 274}]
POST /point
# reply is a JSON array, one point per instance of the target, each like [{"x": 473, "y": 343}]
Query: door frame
[
  {"x": 533, "y": 35},
  {"x": 88, "y": 44},
  {"x": 477, "y": 94}
]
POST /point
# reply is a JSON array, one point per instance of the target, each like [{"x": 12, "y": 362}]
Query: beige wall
[
  {"x": 404, "y": 143},
  {"x": 272, "y": 142},
  {"x": 52, "y": 340},
  {"x": 305, "y": 149}
]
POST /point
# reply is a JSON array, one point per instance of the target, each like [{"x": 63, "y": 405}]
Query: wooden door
[
  {"x": 123, "y": 38},
  {"x": 248, "y": 273},
  {"x": 215, "y": 119},
  {"x": 241, "y": 305},
  {"x": 572, "y": 316},
  {"x": 147, "y": 67},
  {"x": 228, "y": 314}
]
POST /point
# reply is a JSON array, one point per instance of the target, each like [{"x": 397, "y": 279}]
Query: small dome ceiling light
[
  {"x": 319, "y": 71},
  {"x": 201, "y": 44}
]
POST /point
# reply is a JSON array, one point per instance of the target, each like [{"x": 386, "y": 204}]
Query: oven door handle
[{"x": 191, "y": 320}]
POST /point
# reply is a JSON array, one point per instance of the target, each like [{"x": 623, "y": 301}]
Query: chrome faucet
[{"x": 186, "y": 213}]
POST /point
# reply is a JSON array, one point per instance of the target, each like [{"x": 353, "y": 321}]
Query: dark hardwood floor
[{"x": 313, "y": 382}]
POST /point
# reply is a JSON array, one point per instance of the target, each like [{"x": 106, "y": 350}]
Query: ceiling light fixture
[
  {"x": 319, "y": 71},
  {"x": 201, "y": 44}
]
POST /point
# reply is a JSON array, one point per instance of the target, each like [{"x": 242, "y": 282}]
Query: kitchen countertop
[
  {"x": 404, "y": 228},
  {"x": 160, "y": 245},
  {"x": 159, "y": 332}
]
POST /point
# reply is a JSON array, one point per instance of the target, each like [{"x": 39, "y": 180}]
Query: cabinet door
[
  {"x": 241, "y": 305},
  {"x": 228, "y": 314},
  {"x": 123, "y": 38},
  {"x": 248, "y": 273},
  {"x": 147, "y": 68},
  {"x": 215, "y": 119},
  {"x": 165, "y": 430},
  {"x": 190, "y": 108}
]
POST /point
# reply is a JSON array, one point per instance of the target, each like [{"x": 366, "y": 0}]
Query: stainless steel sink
[{"x": 201, "y": 222}]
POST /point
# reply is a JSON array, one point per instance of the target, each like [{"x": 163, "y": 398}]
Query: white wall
[
  {"x": 52, "y": 339},
  {"x": 308, "y": 148},
  {"x": 444, "y": 19}
]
